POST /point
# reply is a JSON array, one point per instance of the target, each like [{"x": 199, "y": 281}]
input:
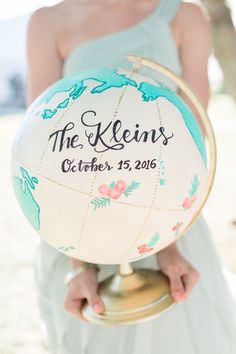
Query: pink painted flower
[
  {"x": 187, "y": 203},
  {"x": 144, "y": 249},
  {"x": 104, "y": 190},
  {"x": 114, "y": 193},
  {"x": 121, "y": 185},
  {"x": 177, "y": 226}
]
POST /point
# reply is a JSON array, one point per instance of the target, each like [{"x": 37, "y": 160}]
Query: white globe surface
[{"x": 109, "y": 166}]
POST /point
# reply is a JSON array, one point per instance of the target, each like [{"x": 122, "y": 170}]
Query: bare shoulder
[
  {"x": 193, "y": 16},
  {"x": 40, "y": 18},
  {"x": 47, "y": 19}
]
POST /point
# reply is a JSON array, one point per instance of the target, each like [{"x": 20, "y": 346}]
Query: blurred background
[{"x": 21, "y": 330}]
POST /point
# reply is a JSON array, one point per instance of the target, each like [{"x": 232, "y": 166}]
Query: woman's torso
[
  {"x": 151, "y": 37},
  {"x": 89, "y": 20},
  {"x": 154, "y": 36}
]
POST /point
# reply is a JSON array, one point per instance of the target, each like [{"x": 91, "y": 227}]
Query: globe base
[{"x": 131, "y": 296}]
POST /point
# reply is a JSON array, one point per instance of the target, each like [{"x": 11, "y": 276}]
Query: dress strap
[{"x": 167, "y": 9}]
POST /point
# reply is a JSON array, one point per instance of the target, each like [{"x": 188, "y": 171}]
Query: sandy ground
[{"x": 21, "y": 330}]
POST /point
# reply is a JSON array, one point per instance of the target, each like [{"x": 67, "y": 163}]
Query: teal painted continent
[
  {"x": 75, "y": 86},
  {"x": 109, "y": 78},
  {"x": 151, "y": 92},
  {"x": 22, "y": 187}
]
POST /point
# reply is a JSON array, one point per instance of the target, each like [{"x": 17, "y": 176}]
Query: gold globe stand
[{"x": 133, "y": 296}]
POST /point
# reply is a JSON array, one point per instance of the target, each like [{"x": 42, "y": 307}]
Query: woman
[{"x": 76, "y": 35}]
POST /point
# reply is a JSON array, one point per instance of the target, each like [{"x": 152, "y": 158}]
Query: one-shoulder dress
[{"x": 204, "y": 323}]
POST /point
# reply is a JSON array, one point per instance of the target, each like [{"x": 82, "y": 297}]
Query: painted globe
[{"x": 109, "y": 166}]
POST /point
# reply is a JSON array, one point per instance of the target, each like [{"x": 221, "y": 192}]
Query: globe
[{"x": 109, "y": 166}]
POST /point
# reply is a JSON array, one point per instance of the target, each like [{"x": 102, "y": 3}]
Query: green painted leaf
[
  {"x": 131, "y": 187},
  {"x": 112, "y": 185},
  {"x": 153, "y": 240},
  {"x": 195, "y": 185},
  {"x": 63, "y": 248},
  {"x": 100, "y": 202}
]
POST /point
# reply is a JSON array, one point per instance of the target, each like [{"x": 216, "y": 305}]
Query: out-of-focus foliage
[{"x": 224, "y": 41}]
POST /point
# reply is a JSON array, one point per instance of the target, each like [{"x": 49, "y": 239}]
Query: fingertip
[
  {"x": 177, "y": 288},
  {"x": 99, "y": 307},
  {"x": 178, "y": 295}
]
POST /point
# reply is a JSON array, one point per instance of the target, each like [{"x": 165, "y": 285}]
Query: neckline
[{"x": 108, "y": 36}]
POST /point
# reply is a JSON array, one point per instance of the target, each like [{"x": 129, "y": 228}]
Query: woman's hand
[
  {"x": 183, "y": 277},
  {"x": 83, "y": 286}
]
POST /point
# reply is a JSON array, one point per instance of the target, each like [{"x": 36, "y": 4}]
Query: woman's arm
[
  {"x": 45, "y": 68},
  {"x": 44, "y": 64},
  {"x": 194, "y": 49},
  {"x": 43, "y": 61}
]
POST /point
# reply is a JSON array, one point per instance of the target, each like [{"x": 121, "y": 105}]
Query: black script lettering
[
  {"x": 166, "y": 138},
  {"x": 101, "y": 137},
  {"x": 116, "y": 127},
  {"x": 153, "y": 135},
  {"x": 84, "y": 166},
  {"x": 61, "y": 140},
  {"x": 66, "y": 164},
  {"x": 98, "y": 136}
]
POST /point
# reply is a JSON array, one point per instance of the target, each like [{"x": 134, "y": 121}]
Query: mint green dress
[{"x": 203, "y": 324}]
